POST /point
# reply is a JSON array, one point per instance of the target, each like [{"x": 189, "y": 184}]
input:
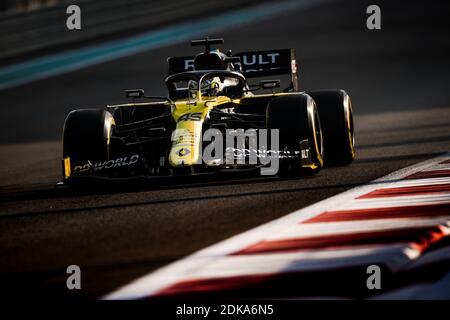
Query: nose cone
[{"x": 186, "y": 143}]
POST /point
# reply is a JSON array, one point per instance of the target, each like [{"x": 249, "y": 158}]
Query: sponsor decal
[
  {"x": 258, "y": 153},
  {"x": 251, "y": 62},
  {"x": 188, "y": 64},
  {"x": 183, "y": 152},
  {"x": 194, "y": 116},
  {"x": 113, "y": 163},
  {"x": 238, "y": 147}
]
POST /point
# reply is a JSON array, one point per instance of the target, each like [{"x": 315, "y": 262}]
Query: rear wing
[{"x": 252, "y": 64}]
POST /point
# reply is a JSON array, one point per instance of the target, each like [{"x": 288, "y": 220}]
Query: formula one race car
[{"x": 213, "y": 121}]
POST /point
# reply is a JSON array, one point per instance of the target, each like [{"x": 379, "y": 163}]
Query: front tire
[
  {"x": 336, "y": 116},
  {"x": 297, "y": 118},
  {"x": 86, "y": 136}
]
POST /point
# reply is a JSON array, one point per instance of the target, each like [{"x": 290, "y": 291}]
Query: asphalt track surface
[{"x": 398, "y": 78}]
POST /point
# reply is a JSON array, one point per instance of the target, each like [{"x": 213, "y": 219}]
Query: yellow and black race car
[{"x": 213, "y": 121}]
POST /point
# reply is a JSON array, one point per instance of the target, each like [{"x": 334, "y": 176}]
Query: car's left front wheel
[{"x": 86, "y": 138}]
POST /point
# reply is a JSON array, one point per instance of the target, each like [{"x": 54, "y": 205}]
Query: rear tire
[
  {"x": 297, "y": 119},
  {"x": 86, "y": 136},
  {"x": 336, "y": 116}
]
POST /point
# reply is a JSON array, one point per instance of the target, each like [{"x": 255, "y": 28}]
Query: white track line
[
  {"x": 419, "y": 182},
  {"x": 200, "y": 262},
  {"x": 442, "y": 166},
  {"x": 400, "y": 201},
  {"x": 323, "y": 229},
  {"x": 393, "y": 256}
]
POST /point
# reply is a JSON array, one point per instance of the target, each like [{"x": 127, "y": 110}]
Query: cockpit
[{"x": 204, "y": 85}]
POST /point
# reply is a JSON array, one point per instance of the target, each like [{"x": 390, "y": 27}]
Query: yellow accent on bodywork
[
  {"x": 187, "y": 137},
  {"x": 67, "y": 171},
  {"x": 349, "y": 129},
  {"x": 109, "y": 126}
]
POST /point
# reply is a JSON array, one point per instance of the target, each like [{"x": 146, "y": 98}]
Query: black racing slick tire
[
  {"x": 297, "y": 119},
  {"x": 336, "y": 116},
  {"x": 86, "y": 136}
]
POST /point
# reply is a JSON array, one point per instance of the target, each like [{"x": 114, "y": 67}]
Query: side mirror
[
  {"x": 134, "y": 93},
  {"x": 269, "y": 84}
]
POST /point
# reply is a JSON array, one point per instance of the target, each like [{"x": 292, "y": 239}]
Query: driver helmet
[{"x": 211, "y": 87}]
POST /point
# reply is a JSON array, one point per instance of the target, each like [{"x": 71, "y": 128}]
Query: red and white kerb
[{"x": 391, "y": 221}]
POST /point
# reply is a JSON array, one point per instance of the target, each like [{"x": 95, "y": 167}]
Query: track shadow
[
  {"x": 444, "y": 125},
  {"x": 196, "y": 198},
  {"x": 420, "y": 156},
  {"x": 406, "y": 142}
]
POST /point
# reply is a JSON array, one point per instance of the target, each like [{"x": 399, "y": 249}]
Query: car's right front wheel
[
  {"x": 297, "y": 119},
  {"x": 336, "y": 116}
]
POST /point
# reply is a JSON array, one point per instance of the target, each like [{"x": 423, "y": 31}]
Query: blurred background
[
  {"x": 46, "y": 70},
  {"x": 398, "y": 78},
  {"x": 10, "y": 6},
  {"x": 28, "y": 26}
]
